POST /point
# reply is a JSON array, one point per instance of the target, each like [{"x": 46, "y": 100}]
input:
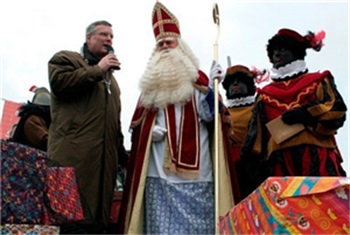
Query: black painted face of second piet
[
  {"x": 237, "y": 89},
  {"x": 282, "y": 56}
]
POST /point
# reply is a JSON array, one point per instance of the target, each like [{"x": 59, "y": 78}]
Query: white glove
[
  {"x": 158, "y": 133},
  {"x": 216, "y": 72}
]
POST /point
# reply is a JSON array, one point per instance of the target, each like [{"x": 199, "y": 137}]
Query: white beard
[{"x": 169, "y": 77}]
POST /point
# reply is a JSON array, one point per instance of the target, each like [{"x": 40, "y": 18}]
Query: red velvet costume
[
  {"x": 312, "y": 152},
  {"x": 309, "y": 100}
]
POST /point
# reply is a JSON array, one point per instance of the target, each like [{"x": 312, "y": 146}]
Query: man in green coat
[{"x": 85, "y": 132}]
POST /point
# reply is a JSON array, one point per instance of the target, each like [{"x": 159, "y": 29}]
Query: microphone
[{"x": 110, "y": 50}]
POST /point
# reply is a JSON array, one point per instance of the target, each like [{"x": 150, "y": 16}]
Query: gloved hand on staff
[{"x": 216, "y": 72}]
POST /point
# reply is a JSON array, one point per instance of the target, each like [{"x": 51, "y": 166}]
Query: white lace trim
[
  {"x": 240, "y": 101},
  {"x": 289, "y": 70}
]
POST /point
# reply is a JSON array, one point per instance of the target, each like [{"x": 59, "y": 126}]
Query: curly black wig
[{"x": 281, "y": 41}]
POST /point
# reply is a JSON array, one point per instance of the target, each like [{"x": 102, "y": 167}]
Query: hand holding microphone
[{"x": 110, "y": 50}]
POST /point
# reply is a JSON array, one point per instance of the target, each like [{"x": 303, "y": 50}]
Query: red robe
[{"x": 131, "y": 213}]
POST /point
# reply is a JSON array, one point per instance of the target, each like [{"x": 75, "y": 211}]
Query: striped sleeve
[{"x": 329, "y": 109}]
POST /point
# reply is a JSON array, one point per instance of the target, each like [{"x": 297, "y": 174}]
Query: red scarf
[{"x": 185, "y": 153}]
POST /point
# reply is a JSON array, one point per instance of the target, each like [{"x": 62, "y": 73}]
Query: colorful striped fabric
[{"x": 292, "y": 205}]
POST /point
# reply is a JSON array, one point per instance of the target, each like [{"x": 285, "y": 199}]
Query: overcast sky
[{"x": 32, "y": 31}]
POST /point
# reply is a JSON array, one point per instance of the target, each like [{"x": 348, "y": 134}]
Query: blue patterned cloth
[
  {"x": 23, "y": 174},
  {"x": 178, "y": 208}
]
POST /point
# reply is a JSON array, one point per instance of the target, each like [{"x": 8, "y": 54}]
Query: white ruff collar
[
  {"x": 289, "y": 70},
  {"x": 240, "y": 101}
]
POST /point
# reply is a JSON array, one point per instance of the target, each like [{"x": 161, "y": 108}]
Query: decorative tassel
[
  {"x": 260, "y": 76},
  {"x": 315, "y": 41}
]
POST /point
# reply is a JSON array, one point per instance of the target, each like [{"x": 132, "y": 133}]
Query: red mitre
[{"x": 164, "y": 22}]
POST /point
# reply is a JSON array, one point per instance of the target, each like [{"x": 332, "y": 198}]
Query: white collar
[
  {"x": 240, "y": 101},
  {"x": 289, "y": 70}
]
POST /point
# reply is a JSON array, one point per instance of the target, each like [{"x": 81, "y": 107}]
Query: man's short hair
[{"x": 92, "y": 27}]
